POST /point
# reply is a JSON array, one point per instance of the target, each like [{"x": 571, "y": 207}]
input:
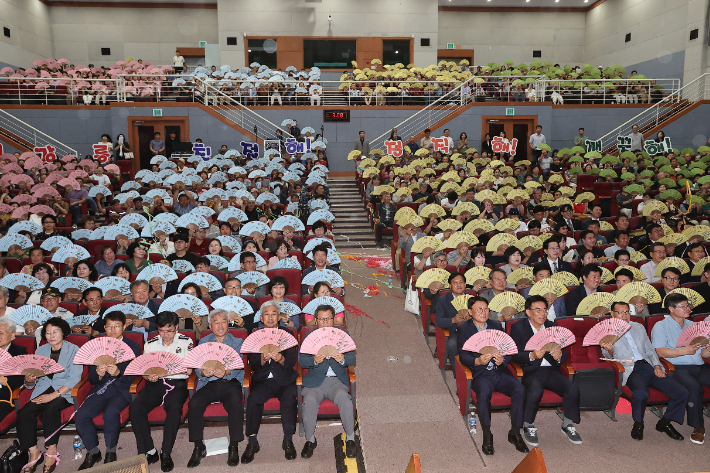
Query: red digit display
[{"x": 336, "y": 115}]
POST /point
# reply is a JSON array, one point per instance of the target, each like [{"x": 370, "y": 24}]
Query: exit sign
[
  {"x": 450, "y": 45},
  {"x": 158, "y": 112},
  {"x": 203, "y": 44},
  {"x": 510, "y": 111}
]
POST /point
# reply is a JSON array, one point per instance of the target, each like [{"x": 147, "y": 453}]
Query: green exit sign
[
  {"x": 203, "y": 44},
  {"x": 510, "y": 111},
  {"x": 449, "y": 45},
  {"x": 158, "y": 112}
]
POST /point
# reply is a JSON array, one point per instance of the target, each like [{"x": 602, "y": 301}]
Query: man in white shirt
[
  {"x": 449, "y": 141},
  {"x": 100, "y": 177},
  {"x": 5, "y": 311},
  {"x": 658, "y": 254},
  {"x": 636, "y": 139},
  {"x": 178, "y": 62},
  {"x": 536, "y": 139}
]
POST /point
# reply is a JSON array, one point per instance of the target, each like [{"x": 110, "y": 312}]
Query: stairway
[
  {"x": 351, "y": 226},
  {"x": 25, "y": 137}
]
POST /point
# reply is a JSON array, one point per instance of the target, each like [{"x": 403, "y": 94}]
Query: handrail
[{"x": 30, "y": 134}]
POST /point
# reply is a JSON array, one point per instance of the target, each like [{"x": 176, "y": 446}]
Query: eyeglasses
[
  {"x": 622, "y": 312},
  {"x": 683, "y": 307},
  {"x": 482, "y": 310},
  {"x": 672, "y": 279},
  {"x": 324, "y": 319},
  {"x": 538, "y": 310}
]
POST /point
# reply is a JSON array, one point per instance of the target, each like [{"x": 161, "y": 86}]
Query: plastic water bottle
[
  {"x": 389, "y": 283},
  {"x": 472, "y": 423},
  {"x": 78, "y": 454}
]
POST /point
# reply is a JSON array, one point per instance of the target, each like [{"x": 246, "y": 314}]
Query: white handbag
[{"x": 411, "y": 301}]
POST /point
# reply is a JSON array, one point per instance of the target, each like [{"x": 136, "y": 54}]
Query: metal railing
[
  {"x": 24, "y": 134},
  {"x": 63, "y": 91}
]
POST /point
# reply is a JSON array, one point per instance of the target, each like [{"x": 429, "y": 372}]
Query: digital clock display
[{"x": 336, "y": 115}]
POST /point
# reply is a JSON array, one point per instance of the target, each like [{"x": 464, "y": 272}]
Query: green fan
[
  {"x": 670, "y": 193},
  {"x": 681, "y": 182},
  {"x": 608, "y": 172},
  {"x": 681, "y": 160},
  {"x": 579, "y": 149},
  {"x": 542, "y": 146},
  {"x": 676, "y": 151},
  {"x": 647, "y": 173},
  {"x": 697, "y": 172},
  {"x": 522, "y": 65},
  {"x": 613, "y": 160},
  {"x": 576, "y": 159},
  {"x": 627, "y": 175},
  {"x": 704, "y": 180},
  {"x": 694, "y": 199},
  {"x": 667, "y": 168},
  {"x": 576, "y": 170},
  {"x": 594, "y": 171},
  {"x": 593, "y": 155},
  {"x": 509, "y": 62},
  {"x": 538, "y": 63},
  {"x": 704, "y": 149},
  {"x": 662, "y": 161},
  {"x": 634, "y": 188},
  {"x": 518, "y": 81},
  {"x": 564, "y": 151},
  {"x": 697, "y": 165},
  {"x": 668, "y": 182},
  {"x": 645, "y": 155},
  {"x": 705, "y": 158},
  {"x": 685, "y": 151},
  {"x": 646, "y": 182},
  {"x": 628, "y": 154}
]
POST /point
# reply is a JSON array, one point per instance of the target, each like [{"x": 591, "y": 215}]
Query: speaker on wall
[
  {"x": 537, "y": 53},
  {"x": 424, "y": 42},
  {"x": 231, "y": 40}
]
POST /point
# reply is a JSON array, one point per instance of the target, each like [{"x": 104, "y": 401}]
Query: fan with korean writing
[
  {"x": 190, "y": 220},
  {"x": 34, "y": 365},
  {"x": 311, "y": 307},
  {"x": 404, "y": 213},
  {"x": 460, "y": 303},
  {"x": 477, "y": 276},
  {"x": 25, "y": 226},
  {"x": 217, "y": 262},
  {"x": 694, "y": 299},
  {"x": 103, "y": 351},
  {"x": 698, "y": 333},
  {"x": 479, "y": 226},
  {"x": 232, "y": 215},
  {"x": 596, "y": 305},
  {"x": 252, "y": 279},
  {"x": 313, "y": 242},
  {"x": 289, "y": 221},
  {"x": 54, "y": 242},
  {"x": 328, "y": 275},
  {"x": 214, "y": 356},
  {"x": 117, "y": 232},
  {"x": 71, "y": 285},
  {"x": 327, "y": 341},
  {"x": 230, "y": 244},
  {"x": 507, "y": 303},
  {"x": 162, "y": 363},
  {"x": 184, "y": 305},
  {"x": 286, "y": 308},
  {"x": 428, "y": 243},
  {"x": 288, "y": 263},
  {"x": 507, "y": 224},
  {"x": 462, "y": 207},
  {"x": 14, "y": 242},
  {"x": 637, "y": 274},
  {"x": 521, "y": 276},
  {"x": 157, "y": 274},
  {"x": 699, "y": 267},
  {"x": 30, "y": 317},
  {"x": 268, "y": 340},
  {"x": 70, "y": 254},
  {"x": 21, "y": 282},
  {"x": 606, "y": 331},
  {"x": 131, "y": 311},
  {"x": 671, "y": 262},
  {"x": 252, "y": 228},
  {"x": 550, "y": 339},
  {"x": 565, "y": 278},
  {"x": 205, "y": 281},
  {"x": 491, "y": 341},
  {"x": 183, "y": 266},
  {"x": 548, "y": 286},
  {"x": 113, "y": 286},
  {"x": 638, "y": 292},
  {"x": 460, "y": 237},
  {"x": 435, "y": 278},
  {"x": 500, "y": 242},
  {"x": 81, "y": 234},
  {"x": 82, "y": 320},
  {"x": 234, "y": 305},
  {"x": 529, "y": 244}
]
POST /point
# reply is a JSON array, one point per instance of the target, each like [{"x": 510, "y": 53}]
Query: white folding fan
[{"x": 184, "y": 305}]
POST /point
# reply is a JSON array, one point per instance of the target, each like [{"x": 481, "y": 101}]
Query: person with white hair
[
  {"x": 5, "y": 311},
  {"x": 7, "y": 335}
]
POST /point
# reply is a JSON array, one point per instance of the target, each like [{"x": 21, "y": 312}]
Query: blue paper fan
[
  {"x": 233, "y": 304},
  {"x": 166, "y": 217},
  {"x": 231, "y": 244},
  {"x": 165, "y": 173},
  {"x": 257, "y": 173},
  {"x": 267, "y": 197},
  {"x": 30, "y": 313},
  {"x": 318, "y": 204},
  {"x": 21, "y": 282},
  {"x": 254, "y": 227},
  {"x": 131, "y": 310},
  {"x": 205, "y": 280},
  {"x": 288, "y": 221},
  {"x": 173, "y": 179},
  {"x": 236, "y": 185},
  {"x": 134, "y": 219},
  {"x": 328, "y": 275},
  {"x": 130, "y": 185},
  {"x": 194, "y": 159},
  {"x": 96, "y": 190},
  {"x": 307, "y": 130},
  {"x": 98, "y": 233},
  {"x": 162, "y": 193},
  {"x": 291, "y": 176},
  {"x": 320, "y": 214},
  {"x": 203, "y": 211},
  {"x": 285, "y": 307},
  {"x": 157, "y": 159},
  {"x": 314, "y": 179},
  {"x": 191, "y": 219},
  {"x": 14, "y": 239},
  {"x": 318, "y": 301},
  {"x": 25, "y": 226},
  {"x": 86, "y": 319},
  {"x": 167, "y": 165},
  {"x": 235, "y": 265},
  {"x": 219, "y": 262},
  {"x": 183, "y": 266},
  {"x": 288, "y": 263},
  {"x": 55, "y": 241},
  {"x": 114, "y": 231},
  {"x": 114, "y": 283},
  {"x": 297, "y": 166},
  {"x": 159, "y": 271},
  {"x": 62, "y": 284},
  {"x": 182, "y": 303},
  {"x": 82, "y": 234},
  {"x": 217, "y": 176},
  {"x": 122, "y": 198},
  {"x": 292, "y": 208},
  {"x": 313, "y": 242},
  {"x": 237, "y": 170},
  {"x": 320, "y": 167},
  {"x": 253, "y": 277},
  {"x": 232, "y": 213},
  {"x": 70, "y": 251},
  {"x": 332, "y": 257},
  {"x": 155, "y": 228},
  {"x": 141, "y": 173},
  {"x": 241, "y": 194}
]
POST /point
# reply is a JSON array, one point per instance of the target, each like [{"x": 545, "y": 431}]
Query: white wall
[
  {"x": 350, "y": 18},
  {"x": 150, "y": 34},
  {"x": 30, "y": 36},
  {"x": 498, "y": 36}
]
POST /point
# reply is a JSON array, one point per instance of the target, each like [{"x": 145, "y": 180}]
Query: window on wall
[
  {"x": 394, "y": 51},
  {"x": 262, "y": 51},
  {"x": 328, "y": 53}
]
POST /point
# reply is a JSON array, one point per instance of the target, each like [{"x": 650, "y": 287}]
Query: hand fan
[
  {"x": 157, "y": 274},
  {"x": 320, "y": 214},
  {"x": 14, "y": 241},
  {"x": 25, "y": 226},
  {"x": 451, "y": 224},
  {"x": 288, "y": 221},
  {"x": 521, "y": 276},
  {"x": 157, "y": 229},
  {"x": 507, "y": 224},
  {"x": 500, "y": 240},
  {"x": 166, "y": 217},
  {"x": 460, "y": 237},
  {"x": 213, "y": 355},
  {"x": 232, "y": 215},
  {"x": 162, "y": 193},
  {"x": 327, "y": 341},
  {"x": 71, "y": 284},
  {"x": 161, "y": 363},
  {"x": 287, "y": 308},
  {"x": 34, "y": 365},
  {"x": 507, "y": 303},
  {"x": 252, "y": 279},
  {"x": 217, "y": 262},
  {"x": 672, "y": 262},
  {"x": 287, "y": 263},
  {"x": 236, "y": 265},
  {"x": 192, "y": 219},
  {"x": 268, "y": 340},
  {"x": 131, "y": 311},
  {"x": 638, "y": 292},
  {"x": 254, "y": 227},
  {"x": 637, "y": 274},
  {"x": 435, "y": 278},
  {"x": 699, "y": 267},
  {"x": 606, "y": 331},
  {"x": 699, "y": 332},
  {"x": 205, "y": 281},
  {"x": 234, "y": 305},
  {"x": 596, "y": 305},
  {"x": 462, "y": 207},
  {"x": 85, "y": 319},
  {"x": 103, "y": 351},
  {"x": 183, "y": 266},
  {"x": 491, "y": 341},
  {"x": 460, "y": 303},
  {"x": 292, "y": 208},
  {"x": 548, "y": 286},
  {"x": 550, "y": 339},
  {"x": 134, "y": 219},
  {"x": 128, "y": 185},
  {"x": 30, "y": 317},
  {"x": 477, "y": 276},
  {"x": 401, "y": 214},
  {"x": 113, "y": 286},
  {"x": 230, "y": 244},
  {"x": 328, "y": 275},
  {"x": 4, "y": 356},
  {"x": 694, "y": 299},
  {"x": 21, "y": 282},
  {"x": 332, "y": 258},
  {"x": 529, "y": 243},
  {"x": 114, "y": 232},
  {"x": 98, "y": 233},
  {"x": 429, "y": 209},
  {"x": 267, "y": 197},
  {"x": 184, "y": 305},
  {"x": 313, "y": 304},
  {"x": 479, "y": 226},
  {"x": 70, "y": 253},
  {"x": 429, "y": 243},
  {"x": 654, "y": 205},
  {"x": 204, "y": 211},
  {"x": 96, "y": 190},
  {"x": 313, "y": 242}
]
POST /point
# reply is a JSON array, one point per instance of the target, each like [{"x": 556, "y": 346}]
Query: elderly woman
[
  {"x": 107, "y": 262},
  {"x": 86, "y": 270},
  {"x": 50, "y": 395},
  {"x": 136, "y": 258},
  {"x": 36, "y": 257},
  {"x": 278, "y": 288}
]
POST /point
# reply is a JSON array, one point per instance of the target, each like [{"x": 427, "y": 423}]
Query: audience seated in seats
[
  {"x": 7, "y": 335},
  {"x": 447, "y": 317},
  {"x": 591, "y": 276}
]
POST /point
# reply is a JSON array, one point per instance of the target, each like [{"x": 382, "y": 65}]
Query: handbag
[
  {"x": 411, "y": 301},
  {"x": 13, "y": 459}
]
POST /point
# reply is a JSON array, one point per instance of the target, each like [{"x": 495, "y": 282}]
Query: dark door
[
  {"x": 172, "y": 146},
  {"x": 145, "y": 136},
  {"x": 495, "y": 128},
  {"x": 521, "y": 133}
]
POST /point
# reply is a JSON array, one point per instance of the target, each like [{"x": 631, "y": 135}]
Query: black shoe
[
  {"x": 166, "y": 462},
  {"x": 289, "y": 449},
  {"x": 233, "y": 455},
  {"x": 308, "y": 449},
  {"x": 110, "y": 457},
  {"x": 249, "y": 453},
  {"x": 517, "y": 440},
  {"x": 487, "y": 447},
  {"x": 350, "y": 449},
  {"x": 637, "y": 431},
  {"x": 669, "y": 430},
  {"x": 198, "y": 453},
  {"x": 152, "y": 458},
  {"x": 90, "y": 460}
]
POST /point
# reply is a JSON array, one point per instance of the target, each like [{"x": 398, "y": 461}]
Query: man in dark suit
[
  {"x": 591, "y": 278},
  {"x": 566, "y": 217},
  {"x": 109, "y": 397},
  {"x": 704, "y": 290},
  {"x": 551, "y": 248},
  {"x": 490, "y": 374},
  {"x": 596, "y": 214},
  {"x": 654, "y": 232},
  {"x": 7, "y": 335},
  {"x": 92, "y": 299},
  {"x": 447, "y": 317},
  {"x": 588, "y": 240},
  {"x": 670, "y": 277},
  {"x": 541, "y": 370},
  {"x": 273, "y": 376},
  {"x": 140, "y": 292},
  {"x": 556, "y": 307}
]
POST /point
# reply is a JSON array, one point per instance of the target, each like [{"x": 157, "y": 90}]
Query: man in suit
[
  {"x": 595, "y": 215},
  {"x": 498, "y": 282},
  {"x": 406, "y": 240},
  {"x": 591, "y": 278},
  {"x": 541, "y": 370},
  {"x": 670, "y": 277},
  {"x": 327, "y": 378},
  {"x": 490, "y": 374},
  {"x": 92, "y": 298},
  {"x": 556, "y": 307},
  {"x": 320, "y": 262},
  {"x": 362, "y": 145},
  {"x": 273, "y": 376},
  {"x": 645, "y": 371},
  {"x": 109, "y": 397},
  {"x": 654, "y": 232},
  {"x": 247, "y": 262},
  {"x": 566, "y": 216},
  {"x": 7, "y": 335},
  {"x": 551, "y": 248},
  {"x": 447, "y": 317}
]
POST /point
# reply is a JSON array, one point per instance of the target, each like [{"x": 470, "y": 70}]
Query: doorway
[
  {"x": 142, "y": 130},
  {"x": 520, "y": 128}
]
